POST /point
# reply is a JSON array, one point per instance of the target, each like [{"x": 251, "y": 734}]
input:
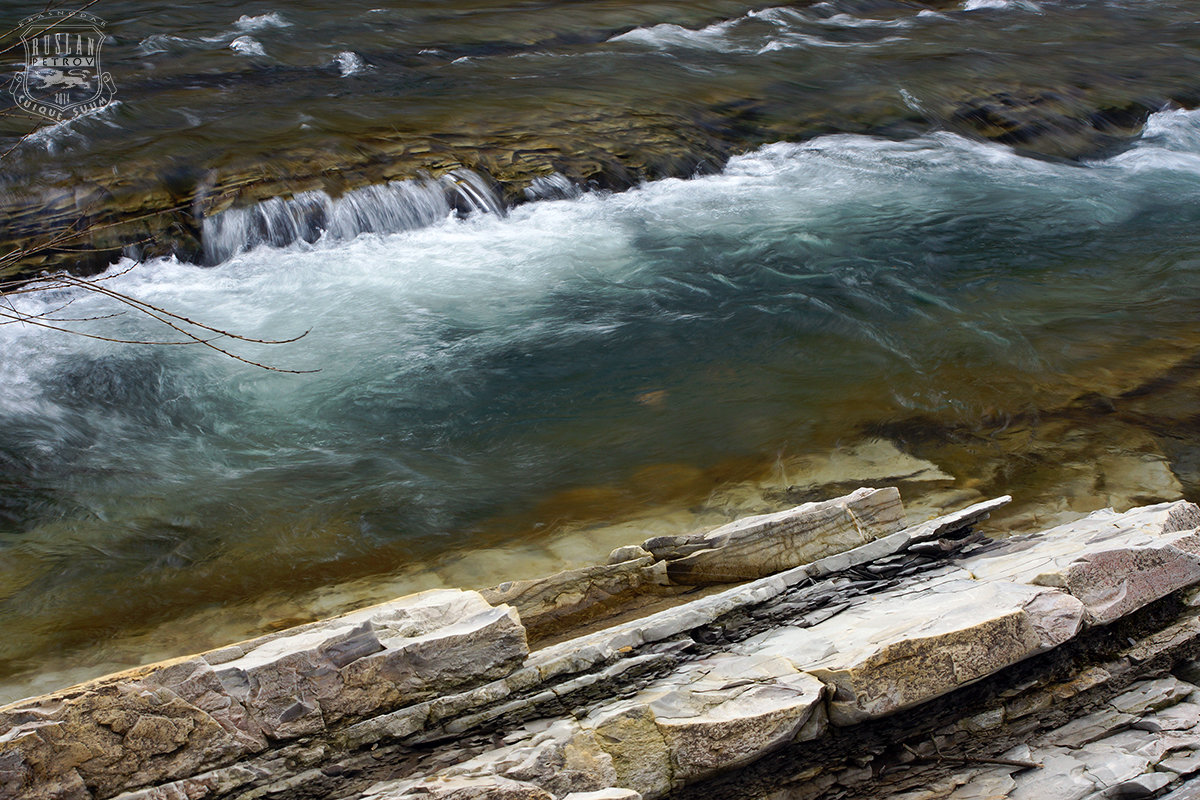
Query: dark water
[{"x": 488, "y": 375}]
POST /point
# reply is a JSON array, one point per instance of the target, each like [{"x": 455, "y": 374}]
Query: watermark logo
[{"x": 62, "y": 77}]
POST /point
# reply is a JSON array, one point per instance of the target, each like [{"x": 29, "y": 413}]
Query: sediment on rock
[{"x": 824, "y": 679}]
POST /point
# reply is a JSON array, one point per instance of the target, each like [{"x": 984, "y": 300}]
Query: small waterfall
[
  {"x": 383, "y": 208},
  {"x": 554, "y": 186}
]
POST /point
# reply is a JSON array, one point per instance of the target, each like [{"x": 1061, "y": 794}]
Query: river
[{"x": 809, "y": 249}]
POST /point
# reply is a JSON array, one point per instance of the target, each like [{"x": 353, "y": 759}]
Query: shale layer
[{"x": 861, "y": 658}]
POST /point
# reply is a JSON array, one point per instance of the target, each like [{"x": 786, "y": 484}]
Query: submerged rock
[{"x": 1064, "y": 124}]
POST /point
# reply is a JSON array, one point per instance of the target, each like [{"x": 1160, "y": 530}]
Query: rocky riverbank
[{"x": 856, "y": 657}]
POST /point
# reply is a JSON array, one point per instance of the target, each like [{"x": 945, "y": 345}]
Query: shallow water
[{"x": 486, "y": 380}]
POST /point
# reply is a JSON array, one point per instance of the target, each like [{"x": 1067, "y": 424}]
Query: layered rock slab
[
  {"x": 908, "y": 646},
  {"x": 765, "y": 544},
  {"x": 370, "y": 661},
  {"x": 427, "y": 670},
  {"x": 876, "y": 656},
  {"x": 712, "y": 715},
  {"x": 1113, "y": 563},
  {"x": 1146, "y": 740},
  {"x": 554, "y": 603},
  {"x": 181, "y": 717},
  {"x": 835, "y": 530}
]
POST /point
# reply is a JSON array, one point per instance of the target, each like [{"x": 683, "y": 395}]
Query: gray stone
[
  {"x": 1114, "y": 563},
  {"x": 1062, "y": 776},
  {"x": 457, "y": 788},
  {"x": 1145, "y": 785},
  {"x": 640, "y": 754},
  {"x": 707, "y": 732},
  {"x": 710, "y": 715},
  {"x": 1179, "y": 717},
  {"x": 605, "y": 794},
  {"x": 898, "y": 541},
  {"x": 1096, "y": 725},
  {"x": 565, "y": 599},
  {"x": 206, "y": 784},
  {"x": 1110, "y": 766},
  {"x": 905, "y": 647},
  {"x": 582, "y": 653},
  {"x": 757, "y": 546},
  {"x": 1184, "y": 762},
  {"x": 995, "y": 784},
  {"x": 564, "y": 759},
  {"x": 1152, "y": 695},
  {"x": 1188, "y": 791},
  {"x": 629, "y": 552},
  {"x": 110, "y": 736},
  {"x": 986, "y": 721},
  {"x": 959, "y": 520},
  {"x": 374, "y": 660}
]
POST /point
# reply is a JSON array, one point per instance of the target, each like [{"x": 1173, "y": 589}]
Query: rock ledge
[{"x": 859, "y": 657}]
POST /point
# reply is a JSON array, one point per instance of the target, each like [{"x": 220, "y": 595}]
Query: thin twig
[{"x": 142, "y": 305}]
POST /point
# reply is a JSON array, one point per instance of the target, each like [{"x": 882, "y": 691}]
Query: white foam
[
  {"x": 247, "y": 46},
  {"x": 554, "y": 186},
  {"x": 260, "y": 22},
  {"x": 1170, "y": 144},
  {"x": 665, "y": 35},
  {"x": 350, "y": 63},
  {"x": 788, "y": 28},
  {"x": 52, "y": 137},
  {"x": 1018, "y": 5}
]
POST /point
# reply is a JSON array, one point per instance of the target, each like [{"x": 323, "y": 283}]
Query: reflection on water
[{"x": 502, "y": 395}]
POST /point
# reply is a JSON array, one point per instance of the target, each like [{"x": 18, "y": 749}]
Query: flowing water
[{"x": 476, "y": 377}]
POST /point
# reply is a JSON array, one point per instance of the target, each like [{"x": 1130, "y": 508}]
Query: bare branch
[
  {"x": 65, "y": 240},
  {"x": 19, "y": 142},
  {"x": 148, "y": 308}
]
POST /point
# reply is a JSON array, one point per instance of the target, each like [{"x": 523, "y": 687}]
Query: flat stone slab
[
  {"x": 713, "y": 715},
  {"x": 554, "y": 603},
  {"x": 181, "y": 717},
  {"x": 898, "y": 649},
  {"x": 371, "y": 661},
  {"x": 769, "y": 543},
  {"x": 1113, "y": 563}
]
